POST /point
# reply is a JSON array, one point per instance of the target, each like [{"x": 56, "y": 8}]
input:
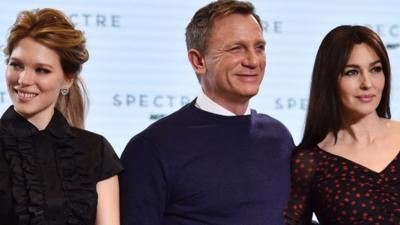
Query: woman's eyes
[
  {"x": 350, "y": 72},
  {"x": 42, "y": 70},
  {"x": 377, "y": 69}
]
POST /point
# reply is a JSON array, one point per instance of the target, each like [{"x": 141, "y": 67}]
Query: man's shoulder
[
  {"x": 271, "y": 125},
  {"x": 165, "y": 126},
  {"x": 262, "y": 119},
  {"x": 174, "y": 119},
  {"x": 164, "y": 132},
  {"x": 268, "y": 126}
]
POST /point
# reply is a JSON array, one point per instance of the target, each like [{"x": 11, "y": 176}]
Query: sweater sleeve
[
  {"x": 142, "y": 184},
  {"x": 299, "y": 208}
]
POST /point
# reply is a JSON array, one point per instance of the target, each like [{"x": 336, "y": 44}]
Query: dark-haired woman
[{"x": 347, "y": 167}]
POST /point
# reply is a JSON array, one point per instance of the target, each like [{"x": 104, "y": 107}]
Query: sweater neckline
[{"x": 202, "y": 113}]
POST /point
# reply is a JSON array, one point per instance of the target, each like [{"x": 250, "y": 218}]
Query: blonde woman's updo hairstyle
[{"x": 54, "y": 29}]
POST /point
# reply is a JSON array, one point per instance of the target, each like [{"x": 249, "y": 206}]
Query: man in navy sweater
[{"x": 215, "y": 161}]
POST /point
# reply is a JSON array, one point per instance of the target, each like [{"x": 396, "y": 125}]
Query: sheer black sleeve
[{"x": 299, "y": 208}]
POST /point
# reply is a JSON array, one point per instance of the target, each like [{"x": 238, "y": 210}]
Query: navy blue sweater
[{"x": 199, "y": 168}]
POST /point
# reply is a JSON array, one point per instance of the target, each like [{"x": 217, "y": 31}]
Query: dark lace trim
[{"x": 27, "y": 187}]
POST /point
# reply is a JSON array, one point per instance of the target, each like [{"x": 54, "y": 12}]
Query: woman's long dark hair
[{"x": 324, "y": 112}]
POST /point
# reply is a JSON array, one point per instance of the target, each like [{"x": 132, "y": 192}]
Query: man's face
[{"x": 234, "y": 60}]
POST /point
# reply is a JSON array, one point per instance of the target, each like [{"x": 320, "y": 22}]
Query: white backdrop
[{"x": 138, "y": 70}]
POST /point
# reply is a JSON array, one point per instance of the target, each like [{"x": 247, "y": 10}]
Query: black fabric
[{"x": 49, "y": 176}]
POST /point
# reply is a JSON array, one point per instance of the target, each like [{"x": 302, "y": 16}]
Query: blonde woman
[{"x": 51, "y": 170}]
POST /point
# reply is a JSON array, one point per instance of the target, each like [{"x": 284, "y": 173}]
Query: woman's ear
[{"x": 68, "y": 81}]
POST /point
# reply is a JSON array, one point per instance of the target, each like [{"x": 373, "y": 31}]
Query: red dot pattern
[{"x": 340, "y": 191}]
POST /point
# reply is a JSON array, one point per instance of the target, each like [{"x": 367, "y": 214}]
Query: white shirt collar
[{"x": 205, "y": 103}]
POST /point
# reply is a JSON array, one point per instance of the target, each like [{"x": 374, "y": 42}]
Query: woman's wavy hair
[{"x": 53, "y": 29}]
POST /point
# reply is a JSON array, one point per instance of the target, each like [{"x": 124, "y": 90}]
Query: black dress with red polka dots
[{"x": 340, "y": 191}]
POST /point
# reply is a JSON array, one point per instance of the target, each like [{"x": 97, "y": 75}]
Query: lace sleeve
[{"x": 303, "y": 165}]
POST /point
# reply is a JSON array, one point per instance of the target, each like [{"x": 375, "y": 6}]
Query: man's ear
[{"x": 197, "y": 61}]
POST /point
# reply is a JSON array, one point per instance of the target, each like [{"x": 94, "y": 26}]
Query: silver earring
[{"x": 64, "y": 91}]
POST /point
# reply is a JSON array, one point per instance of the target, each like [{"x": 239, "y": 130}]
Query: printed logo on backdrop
[
  {"x": 273, "y": 26},
  {"x": 389, "y": 32},
  {"x": 291, "y": 103},
  {"x": 96, "y": 20},
  {"x": 3, "y": 96},
  {"x": 157, "y": 103}
]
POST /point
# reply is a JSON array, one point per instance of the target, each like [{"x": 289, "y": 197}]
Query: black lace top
[
  {"x": 342, "y": 192},
  {"x": 49, "y": 177}
]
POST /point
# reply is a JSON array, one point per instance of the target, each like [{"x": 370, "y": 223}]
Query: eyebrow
[
  {"x": 36, "y": 64},
  {"x": 357, "y": 66},
  {"x": 13, "y": 58},
  {"x": 44, "y": 65},
  {"x": 241, "y": 42}
]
